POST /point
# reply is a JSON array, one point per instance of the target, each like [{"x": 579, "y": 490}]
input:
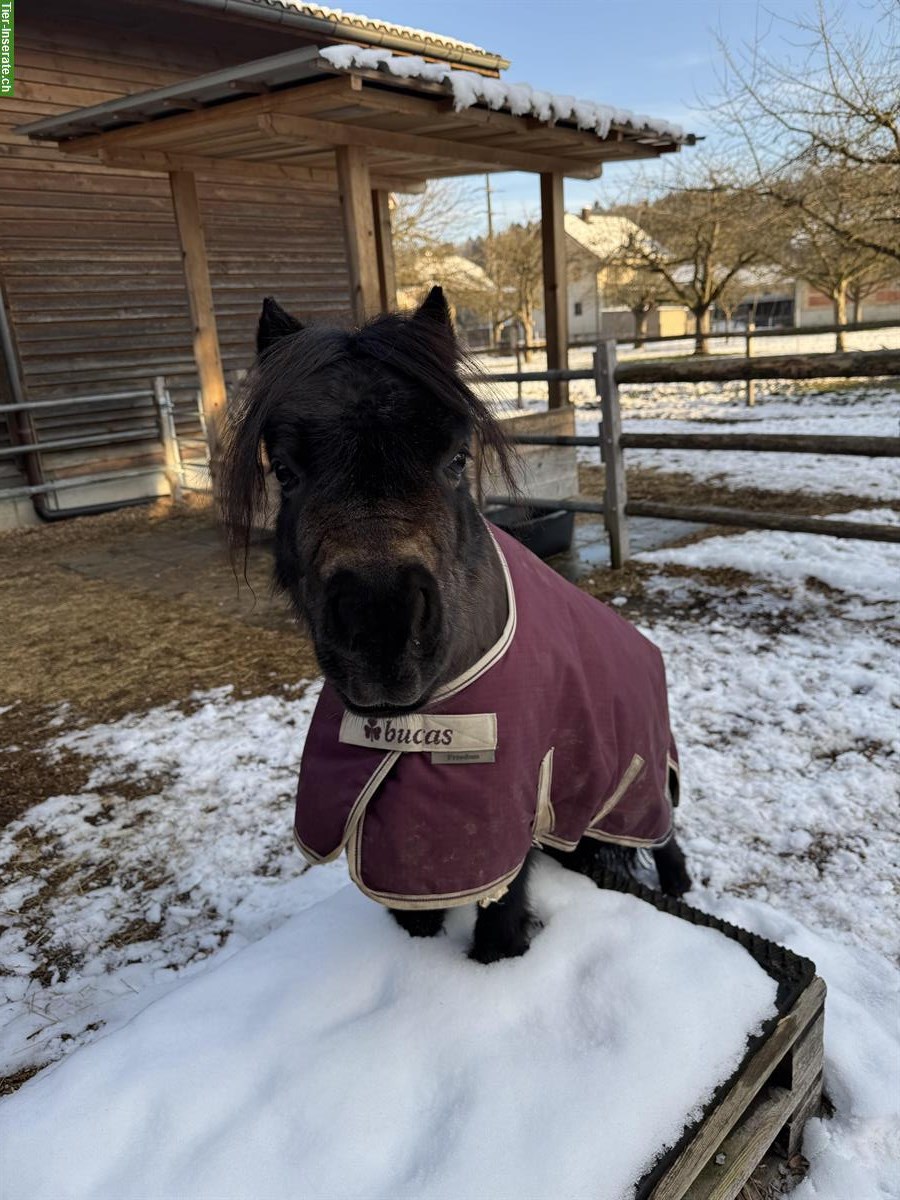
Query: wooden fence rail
[
  {"x": 779, "y": 443},
  {"x": 752, "y": 332},
  {"x": 856, "y": 364},
  {"x": 608, "y": 374}
]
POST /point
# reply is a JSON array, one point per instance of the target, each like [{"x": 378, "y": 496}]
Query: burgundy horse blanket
[{"x": 560, "y": 731}]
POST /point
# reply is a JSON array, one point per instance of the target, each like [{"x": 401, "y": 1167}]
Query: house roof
[
  {"x": 452, "y": 271},
  {"x": 372, "y": 31},
  {"x": 601, "y": 234},
  {"x": 283, "y": 116}
]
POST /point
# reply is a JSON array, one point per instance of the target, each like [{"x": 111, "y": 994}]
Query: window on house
[{"x": 577, "y": 308}]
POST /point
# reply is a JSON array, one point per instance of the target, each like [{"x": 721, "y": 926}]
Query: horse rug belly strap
[{"x": 560, "y": 731}]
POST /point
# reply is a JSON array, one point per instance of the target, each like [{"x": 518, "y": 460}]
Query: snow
[
  {"x": 862, "y": 411},
  {"x": 858, "y": 409},
  {"x": 358, "y": 1062},
  {"x": 153, "y": 886},
  {"x": 797, "y": 557},
  {"x": 521, "y": 99}
]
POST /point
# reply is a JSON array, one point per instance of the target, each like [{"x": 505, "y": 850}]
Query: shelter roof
[{"x": 417, "y": 120}]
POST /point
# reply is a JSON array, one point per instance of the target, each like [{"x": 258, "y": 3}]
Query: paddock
[{"x": 151, "y": 768}]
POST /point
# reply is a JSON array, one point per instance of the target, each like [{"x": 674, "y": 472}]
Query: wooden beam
[
  {"x": 225, "y": 168},
  {"x": 355, "y": 187},
  {"x": 317, "y": 179},
  {"x": 384, "y": 246},
  {"x": 556, "y": 301},
  {"x": 310, "y": 97},
  {"x": 335, "y": 133},
  {"x": 203, "y": 316}
]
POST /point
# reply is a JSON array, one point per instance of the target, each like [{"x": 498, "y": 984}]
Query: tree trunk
[
  {"x": 857, "y": 308},
  {"x": 640, "y": 315},
  {"x": 839, "y": 299},
  {"x": 701, "y": 338},
  {"x": 527, "y": 319}
]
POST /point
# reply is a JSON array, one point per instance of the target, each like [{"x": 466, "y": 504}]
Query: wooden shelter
[{"x": 339, "y": 127}]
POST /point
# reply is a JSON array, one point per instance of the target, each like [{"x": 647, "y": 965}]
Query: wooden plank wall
[{"x": 89, "y": 255}]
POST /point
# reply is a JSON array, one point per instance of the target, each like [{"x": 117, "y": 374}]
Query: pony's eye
[
  {"x": 457, "y": 464},
  {"x": 282, "y": 474}
]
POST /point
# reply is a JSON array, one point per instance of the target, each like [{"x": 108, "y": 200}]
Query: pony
[{"x": 370, "y": 435}]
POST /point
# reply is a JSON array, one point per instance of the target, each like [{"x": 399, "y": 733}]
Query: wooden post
[
  {"x": 615, "y": 496},
  {"x": 751, "y": 383},
  {"x": 518, "y": 370},
  {"x": 359, "y": 231},
  {"x": 200, "y": 298},
  {"x": 169, "y": 435},
  {"x": 556, "y": 304},
  {"x": 384, "y": 249}
]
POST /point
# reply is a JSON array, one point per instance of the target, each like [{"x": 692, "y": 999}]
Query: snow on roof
[
  {"x": 601, "y": 234},
  {"x": 521, "y": 99},
  {"x": 453, "y": 270},
  {"x": 457, "y": 275}
]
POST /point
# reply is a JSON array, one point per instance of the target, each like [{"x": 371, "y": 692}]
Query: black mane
[{"x": 415, "y": 348}]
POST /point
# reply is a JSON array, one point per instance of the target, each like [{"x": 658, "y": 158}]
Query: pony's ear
[
  {"x": 274, "y": 324},
  {"x": 434, "y": 310}
]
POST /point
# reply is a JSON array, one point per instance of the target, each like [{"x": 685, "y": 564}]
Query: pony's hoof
[
  {"x": 420, "y": 923},
  {"x": 514, "y": 944},
  {"x": 494, "y": 952},
  {"x": 675, "y": 881}
]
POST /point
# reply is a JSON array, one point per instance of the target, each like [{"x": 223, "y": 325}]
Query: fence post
[
  {"x": 751, "y": 383},
  {"x": 169, "y": 436},
  {"x": 616, "y": 495},
  {"x": 518, "y": 372}
]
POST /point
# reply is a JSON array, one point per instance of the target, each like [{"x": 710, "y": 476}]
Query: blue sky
[{"x": 653, "y": 56}]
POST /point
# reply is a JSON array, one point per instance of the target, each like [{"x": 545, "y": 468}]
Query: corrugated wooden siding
[{"x": 89, "y": 255}]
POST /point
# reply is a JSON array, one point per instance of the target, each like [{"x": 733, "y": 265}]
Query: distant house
[
  {"x": 813, "y": 308},
  {"x": 593, "y": 239},
  {"x": 771, "y": 299},
  {"x": 467, "y": 286}
]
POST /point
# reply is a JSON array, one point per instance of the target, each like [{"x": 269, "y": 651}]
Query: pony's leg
[
  {"x": 503, "y": 929},
  {"x": 671, "y": 866},
  {"x": 419, "y": 922}
]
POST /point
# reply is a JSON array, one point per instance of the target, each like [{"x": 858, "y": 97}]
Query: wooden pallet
[{"x": 770, "y": 1099}]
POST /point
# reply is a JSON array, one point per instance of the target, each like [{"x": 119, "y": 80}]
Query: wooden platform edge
[{"x": 774, "y": 1094}]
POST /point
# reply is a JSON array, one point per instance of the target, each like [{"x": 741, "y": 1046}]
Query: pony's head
[{"x": 369, "y": 435}]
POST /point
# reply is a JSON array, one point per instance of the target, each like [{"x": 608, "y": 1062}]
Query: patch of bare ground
[
  {"x": 81, "y": 649},
  {"x": 672, "y": 487}
]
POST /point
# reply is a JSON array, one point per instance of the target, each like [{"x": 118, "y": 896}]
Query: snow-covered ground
[
  {"x": 169, "y": 887},
  {"x": 785, "y": 702},
  {"x": 857, "y": 409}
]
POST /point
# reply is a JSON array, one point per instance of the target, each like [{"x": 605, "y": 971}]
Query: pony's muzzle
[{"x": 383, "y": 624}]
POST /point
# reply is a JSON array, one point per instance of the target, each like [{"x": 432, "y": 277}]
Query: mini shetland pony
[{"x": 383, "y": 552}]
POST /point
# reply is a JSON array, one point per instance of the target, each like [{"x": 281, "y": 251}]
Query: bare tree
[
  {"x": 807, "y": 247},
  {"x": 513, "y": 261},
  {"x": 698, "y": 238},
  {"x": 871, "y": 279},
  {"x": 423, "y": 226},
  {"x": 638, "y": 288},
  {"x": 821, "y": 95}
]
